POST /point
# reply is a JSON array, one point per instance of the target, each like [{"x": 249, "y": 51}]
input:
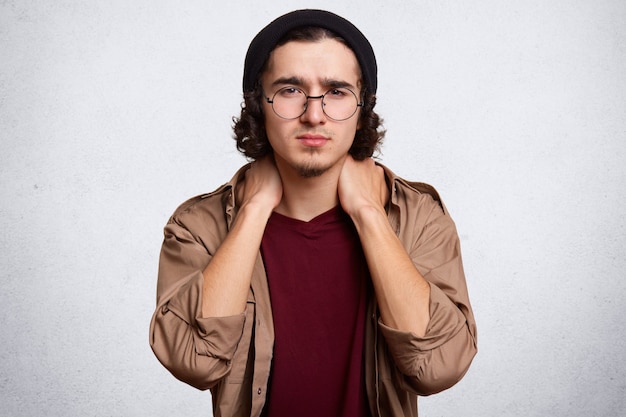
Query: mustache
[{"x": 316, "y": 131}]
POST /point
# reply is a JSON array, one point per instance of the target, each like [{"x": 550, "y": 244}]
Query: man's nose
[{"x": 314, "y": 112}]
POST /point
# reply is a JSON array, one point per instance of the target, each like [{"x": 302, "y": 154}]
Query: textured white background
[{"x": 114, "y": 112}]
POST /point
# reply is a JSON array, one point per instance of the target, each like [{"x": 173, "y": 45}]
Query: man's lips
[{"x": 312, "y": 140}]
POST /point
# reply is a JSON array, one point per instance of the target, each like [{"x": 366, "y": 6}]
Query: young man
[{"x": 315, "y": 282}]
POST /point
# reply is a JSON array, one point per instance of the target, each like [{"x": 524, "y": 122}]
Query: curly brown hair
[{"x": 249, "y": 128}]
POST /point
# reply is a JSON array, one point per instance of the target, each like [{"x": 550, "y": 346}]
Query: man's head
[
  {"x": 274, "y": 35},
  {"x": 307, "y": 26}
]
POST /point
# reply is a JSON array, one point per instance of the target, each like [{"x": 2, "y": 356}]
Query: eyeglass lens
[{"x": 337, "y": 103}]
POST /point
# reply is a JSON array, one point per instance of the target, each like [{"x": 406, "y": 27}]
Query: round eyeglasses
[{"x": 337, "y": 103}]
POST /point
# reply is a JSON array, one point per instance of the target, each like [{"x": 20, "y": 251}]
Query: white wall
[{"x": 112, "y": 113}]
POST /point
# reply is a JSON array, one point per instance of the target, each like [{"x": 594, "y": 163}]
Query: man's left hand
[{"x": 361, "y": 185}]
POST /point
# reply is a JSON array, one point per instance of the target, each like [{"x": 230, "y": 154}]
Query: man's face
[{"x": 311, "y": 144}]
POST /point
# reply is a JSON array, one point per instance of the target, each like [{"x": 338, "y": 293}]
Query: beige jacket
[{"x": 232, "y": 356}]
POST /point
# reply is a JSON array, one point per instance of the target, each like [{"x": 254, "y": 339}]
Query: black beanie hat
[{"x": 267, "y": 39}]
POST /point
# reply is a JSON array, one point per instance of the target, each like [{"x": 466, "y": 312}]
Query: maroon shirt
[{"x": 318, "y": 281}]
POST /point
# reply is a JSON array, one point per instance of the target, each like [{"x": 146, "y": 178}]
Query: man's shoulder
[
  {"x": 422, "y": 188},
  {"x": 203, "y": 201},
  {"x": 213, "y": 203},
  {"x": 412, "y": 189}
]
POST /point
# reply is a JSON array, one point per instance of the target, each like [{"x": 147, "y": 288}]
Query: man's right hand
[{"x": 263, "y": 185}]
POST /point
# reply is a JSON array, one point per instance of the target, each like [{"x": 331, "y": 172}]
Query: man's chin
[{"x": 310, "y": 171}]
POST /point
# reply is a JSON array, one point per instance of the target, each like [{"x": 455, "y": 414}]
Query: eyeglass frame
[{"x": 308, "y": 97}]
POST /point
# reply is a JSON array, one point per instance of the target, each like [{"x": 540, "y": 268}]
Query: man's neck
[{"x": 306, "y": 198}]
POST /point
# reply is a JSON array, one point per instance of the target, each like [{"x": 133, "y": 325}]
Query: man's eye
[
  {"x": 289, "y": 92},
  {"x": 336, "y": 93}
]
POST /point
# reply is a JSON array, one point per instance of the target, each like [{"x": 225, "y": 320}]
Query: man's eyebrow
[
  {"x": 288, "y": 80},
  {"x": 299, "y": 82},
  {"x": 329, "y": 82}
]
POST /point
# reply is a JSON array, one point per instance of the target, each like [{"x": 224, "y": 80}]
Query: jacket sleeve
[
  {"x": 195, "y": 350},
  {"x": 440, "y": 358}
]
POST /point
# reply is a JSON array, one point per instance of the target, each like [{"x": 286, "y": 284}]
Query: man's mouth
[{"x": 313, "y": 140}]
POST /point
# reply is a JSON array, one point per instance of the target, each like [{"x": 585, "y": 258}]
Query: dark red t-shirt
[{"x": 318, "y": 281}]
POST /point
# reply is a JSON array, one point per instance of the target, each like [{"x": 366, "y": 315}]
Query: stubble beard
[
  {"x": 310, "y": 172},
  {"x": 310, "y": 169}
]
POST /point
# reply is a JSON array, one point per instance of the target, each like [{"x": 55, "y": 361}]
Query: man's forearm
[
  {"x": 227, "y": 276},
  {"x": 403, "y": 294}
]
